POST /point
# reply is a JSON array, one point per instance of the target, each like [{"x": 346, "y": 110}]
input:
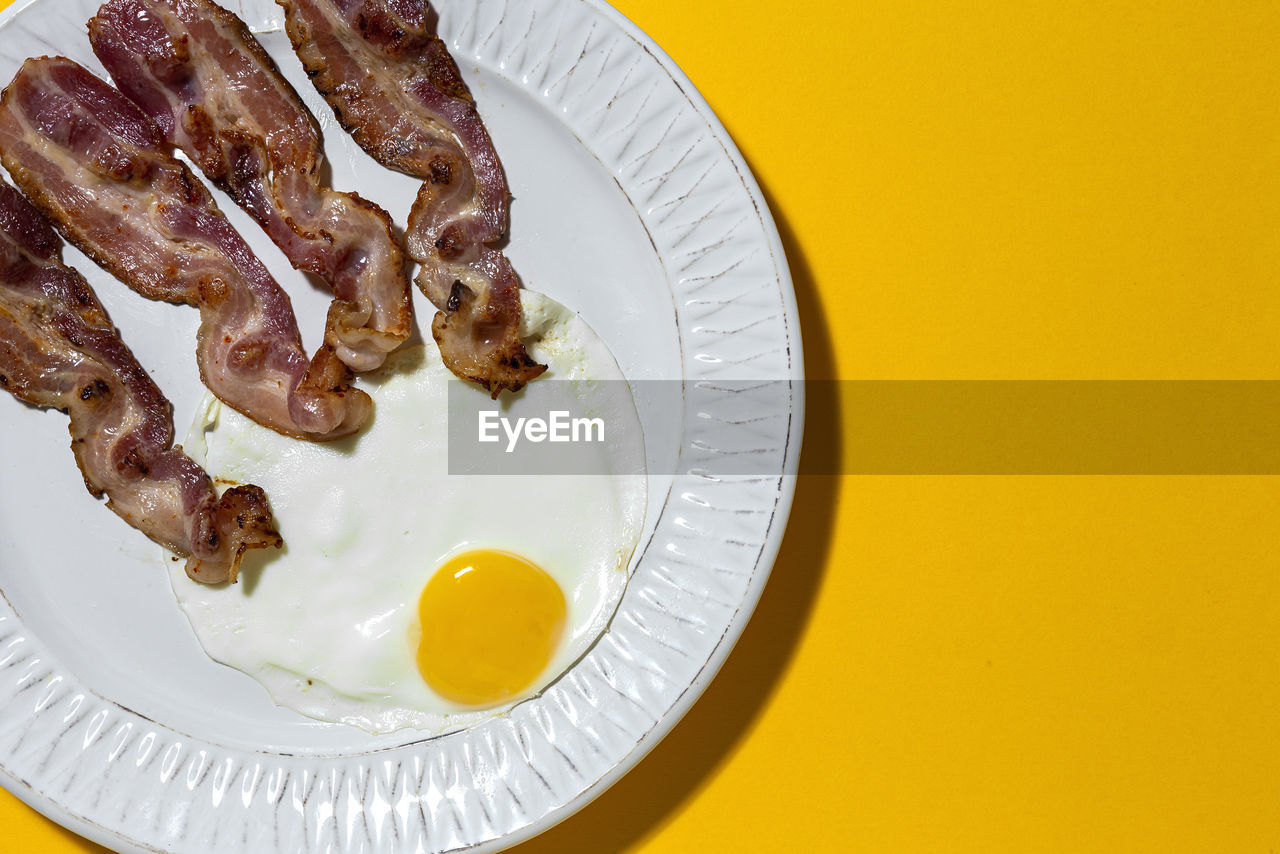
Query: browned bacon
[
  {"x": 101, "y": 171},
  {"x": 58, "y": 349},
  {"x": 395, "y": 88},
  {"x": 200, "y": 74}
]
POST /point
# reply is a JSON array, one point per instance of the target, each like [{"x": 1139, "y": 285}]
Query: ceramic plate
[{"x": 632, "y": 206}]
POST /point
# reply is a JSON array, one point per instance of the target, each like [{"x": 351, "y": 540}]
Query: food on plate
[
  {"x": 395, "y": 88},
  {"x": 58, "y": 349},
  {"x": 101, "y": 170},
  {"x": 412, "y": 598},
  {"x": 410, "y": 594},
  {"x": 195, "y": 68}
]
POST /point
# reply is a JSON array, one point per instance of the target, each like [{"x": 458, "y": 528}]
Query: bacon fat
[
  {"x": 195, "y": 69},
  {"x": 58, "y": 349},
  {"x": 393, "y": 85},
  {"x": 100, "y": 169}
]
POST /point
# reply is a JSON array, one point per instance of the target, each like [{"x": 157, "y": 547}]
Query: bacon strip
[
  {"x": 395, "y": 88},
  {"x": 101, "y": 171},
  {"x": 195, "y": 68},
  {"x": 58, "y": 349}
]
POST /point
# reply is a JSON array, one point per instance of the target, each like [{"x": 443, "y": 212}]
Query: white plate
[{"x": 632, "y": 206}]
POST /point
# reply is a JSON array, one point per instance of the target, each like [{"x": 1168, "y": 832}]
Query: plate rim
[{"x": 782, "y": 512}]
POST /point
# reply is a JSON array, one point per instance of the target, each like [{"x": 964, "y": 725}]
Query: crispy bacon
[
  {"x": 58, "y": 349},
  {"x": 195, "y": 68},
  {"x": 395, "y": 88},
  {"x": 101, "y": 171}
]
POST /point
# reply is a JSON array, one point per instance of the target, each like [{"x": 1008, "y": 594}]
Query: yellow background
[{"x": 990, "y": 190}]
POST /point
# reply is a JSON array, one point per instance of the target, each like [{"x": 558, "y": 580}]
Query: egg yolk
[{"x": 490, "y": 621}]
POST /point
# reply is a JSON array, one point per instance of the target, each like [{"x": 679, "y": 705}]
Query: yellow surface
[{"x": 991, "y": 190}]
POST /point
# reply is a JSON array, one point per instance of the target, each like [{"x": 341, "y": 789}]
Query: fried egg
[{"x": 407, "y": 596}]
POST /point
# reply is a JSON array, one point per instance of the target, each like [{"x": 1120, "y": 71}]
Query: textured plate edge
[
  {"x": 50, "y": 809},
  {"x": 787, "y": 488}
]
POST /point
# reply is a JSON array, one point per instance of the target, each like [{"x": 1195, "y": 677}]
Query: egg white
[{"x": 329, "y": 625}]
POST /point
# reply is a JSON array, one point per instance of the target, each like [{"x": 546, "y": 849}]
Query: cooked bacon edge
[
  {"x": 395, "y": 88},
  {"x": 58, "y": 349},
  {"x": 195, "y": 68},
  {"x": 93, "y": 163}
]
